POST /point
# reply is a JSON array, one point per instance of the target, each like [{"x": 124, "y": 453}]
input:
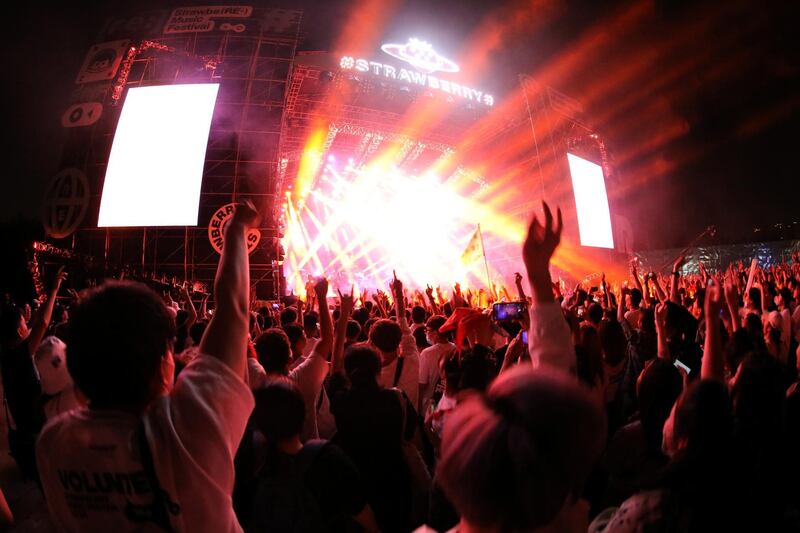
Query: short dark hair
[
  {"x": 273, "y": 350},
  {"x": 310, "y": 322},
  {"x": 704, "y": 418},
  {"x": 418, "y": 314},
  {"x": 280, "y": 410},
  {"x": 435, "y": 322},
  {"x": 595, "y": 313},
  {"x": 197, "y": 330},
  {"x": 636, "y": 297},
  {"x": 385, "y": 335},
  {"x": 543, "y": 428},
  {"x": 294, "y": 332},
  {"x": 118, "y": 334},
  {"x": 659, "y": 386},
  {"x": 362, "y": 364},
  {"x": 353, "y": 329},
  {"x": 288, "y": 316},
  {"x": 613, "y": 341},
  {"x": 420, "y": 339}
]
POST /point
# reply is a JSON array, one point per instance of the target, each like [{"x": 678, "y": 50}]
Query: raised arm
[
  {"x": 661, "y": 331},
  {"x": 520, "y": 290},
  {"x": 713, "y": 366},
  {"x": 732, "y": 300},
  {"x": 549, "y": 339},
  {"x": 226, "y": 335},
  {"x": 189, "y": 307},
  {"x": 432, "y": 300},
  {"x": 399, "y": 301},
  {"x": 676, "y": 275},
  {"x": 347, "y": 304},
  {"x": 325, "y": 343},
  {"x": 662, "y": 296},
  {"x": 638, "y": 283},
  {"x": 41, "y": 319}
]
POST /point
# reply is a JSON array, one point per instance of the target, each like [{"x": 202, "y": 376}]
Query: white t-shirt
[
  {"x": 409, "y": 377},
  {"x": 429, "y": 368},
  {"x": 91, "y": 468}
]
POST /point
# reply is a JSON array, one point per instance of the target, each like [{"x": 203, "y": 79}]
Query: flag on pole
[{"x": 474, "y": 249}]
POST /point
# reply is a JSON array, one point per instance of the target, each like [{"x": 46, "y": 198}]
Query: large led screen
[
  {"x": 156, "y": 164},
  {"x": 591, "y": 203}
]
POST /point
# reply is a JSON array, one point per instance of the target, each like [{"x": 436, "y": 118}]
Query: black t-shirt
[
  {"x": 22, "y": 388},
  {"x": 332, "y": 478},
  {"x": 370, "y": 429}
]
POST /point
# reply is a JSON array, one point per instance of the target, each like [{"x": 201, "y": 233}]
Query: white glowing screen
[
  {"x": 156, "y": 164},
  {"x": 591, "y": 203}
]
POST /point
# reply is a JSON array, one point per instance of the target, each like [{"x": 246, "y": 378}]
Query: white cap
[{"x": 51, "y": 363}]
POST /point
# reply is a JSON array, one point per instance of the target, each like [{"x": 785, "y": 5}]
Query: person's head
[
  {"x": 758, "y": 393},
  {"x": 361, "y": 315},
  {"x": 589, "y": 356},
  {"x": 432, "y": 330},
  {"x": 120, "y": 350},
  {"x": 274, "y": 351},
  {"x": 754, "y": 326},
  {"x": 310, "y": 324},
  {"x": 657, "y": 389},
  {"x": 51, "y": 364},
  {"x": 701, "y": 422},
  {"x": 288, "y": 316},
  {"x": 418, "y": 314},
  {"x": 595, "y": 313},
  {"x": 279, "y": 412},
  {"x": 197, "y": 330},
  {"x": 527, "y": 447},
  {"x": 633, "y": 299},
  {"x": 752, "y": 298},
  {"x": 297, "y": 338},
  {"x": 581, "y": 297},
  {"x": 784, "y": 298},
  {"x": 385, "y": 335},
  {"x": 13, "y": 328},
  {"x": 352, "y": 331},
  {"x": 613, "y": 342},
  {"x": 362, "y": 364},
  {"x": 420, "y": 339}
]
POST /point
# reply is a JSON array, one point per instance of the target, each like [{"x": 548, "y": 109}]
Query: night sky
[{"x": 700, "y": 100}]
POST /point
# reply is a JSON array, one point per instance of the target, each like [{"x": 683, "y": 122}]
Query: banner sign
[
  {"x": 425, "y": 61},
  {"x": 84, "y": 114},
  {"x": 102, "y": 61},
  {"x": 199, "y": 19},
  {"x": 66, "y": 201},
  {"x": 216, "y": 229}
]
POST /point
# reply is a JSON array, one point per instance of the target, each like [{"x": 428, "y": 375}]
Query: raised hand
[
  {"x": 517, "y": 278},
  {"x": 661, "y": 316},
  {"x": 538, "y": 249},
  {"x": 347, "y": 301},
  {"x": 542, "y": 240},
  {"x": 321, "y": 289},
  {"x": 246, "y": 215},
  {"x": 678, "y": 263},
  {"x": 397, "y": 287}
]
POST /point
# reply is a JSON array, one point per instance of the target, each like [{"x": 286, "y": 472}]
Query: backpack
[{"x": 284, "y": 503}]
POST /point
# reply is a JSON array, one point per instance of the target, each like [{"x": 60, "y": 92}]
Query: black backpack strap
[
  {"x": 162, "y": 506},
  {"x": 398, "y": 371}
]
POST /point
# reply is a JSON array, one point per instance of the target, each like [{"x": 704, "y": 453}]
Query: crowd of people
[{"x": 651, "y": 404}]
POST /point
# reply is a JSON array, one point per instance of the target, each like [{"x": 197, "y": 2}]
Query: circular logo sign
[
  {"x": 216, "y": 229},
  {"x": 65, "y": 203}
]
